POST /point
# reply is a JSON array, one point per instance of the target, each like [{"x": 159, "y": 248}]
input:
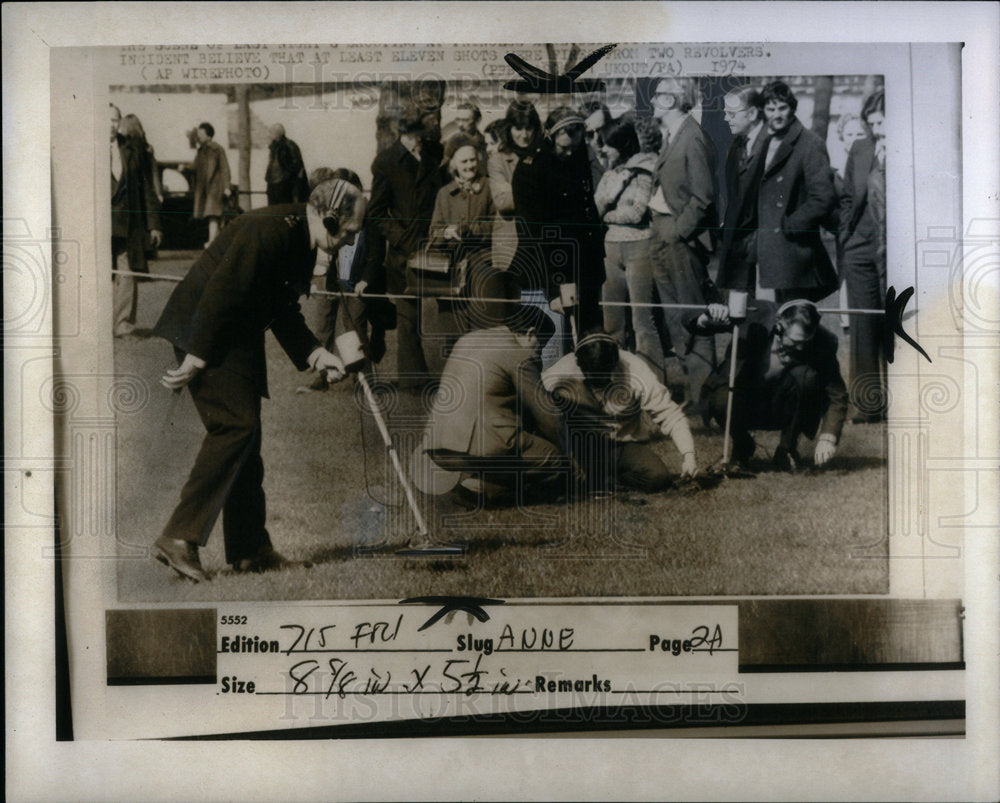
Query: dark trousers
[
  {"x": 783, "y": 295},
  {"x": 792, "y": 402},
  {"x": 607, "y": 464},
  {"x": 410, "y": 362},
  {"x": 679, "y": 272},
  {"x": 228, "y": 473},
  {"x": 639, "y": 467},
  {"x": 865, "y": 290}
]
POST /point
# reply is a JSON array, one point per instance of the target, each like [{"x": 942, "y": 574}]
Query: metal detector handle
[{"x": 421, "y": 524}]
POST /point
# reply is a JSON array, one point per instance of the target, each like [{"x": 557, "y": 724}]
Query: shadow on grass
[{"x": 840, "y": 466}]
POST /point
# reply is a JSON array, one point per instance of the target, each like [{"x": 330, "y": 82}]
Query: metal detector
[{"x": 351, "y": 352}]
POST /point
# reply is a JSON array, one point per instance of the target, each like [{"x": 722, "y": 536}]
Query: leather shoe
[
  {"x": 786, "y": 459},
  {"x": 743, "y": 448},
  {"x": 181, "y": 556},
  {"x": 266, "y": 560}
]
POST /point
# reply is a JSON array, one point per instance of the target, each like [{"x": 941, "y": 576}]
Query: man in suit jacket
[
  {"x": 796, "y": 195},
  {"x": 744, "y": 113},
  {"x": 248, "y": 280},
  {"x": 863, "y": 265},
  {"x": 406, "y": 178},
  {"x": 787, "y": 379},
  {"x": 683, "y": 208},
  {"x": 135, "y": 216},
  {"x": 492, "y": 415}
]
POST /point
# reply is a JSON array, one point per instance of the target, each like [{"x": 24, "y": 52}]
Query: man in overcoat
[
  {"x": 247, "y": 281},
  {"x": 406, "y": 178},
  {"x": 796, "y": 195},
  {"x": 285, "y": 175},
  {"x": 863, "y": 264},
  {"x": 744, "y": 162}
]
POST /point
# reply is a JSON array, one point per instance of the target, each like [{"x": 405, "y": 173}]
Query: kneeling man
[
  {"x": 248, "y": 280},
  {"x": 613, "y": 396},
  {"x": 787, "y": 379},
  {"x": 491, "y": 416}
]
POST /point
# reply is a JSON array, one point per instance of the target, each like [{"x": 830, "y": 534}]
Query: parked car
[{"x": 180, "y": 231}]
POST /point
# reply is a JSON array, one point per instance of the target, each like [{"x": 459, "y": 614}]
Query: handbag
[{"x": 435, "y": 270}]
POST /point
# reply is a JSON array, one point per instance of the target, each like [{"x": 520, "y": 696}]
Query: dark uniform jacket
[
  {"x": 248, "y": 280},
  {"x": 796, "y": 195}
]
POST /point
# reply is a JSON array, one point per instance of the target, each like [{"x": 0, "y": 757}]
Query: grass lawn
[{"x": 336, "y": 509}]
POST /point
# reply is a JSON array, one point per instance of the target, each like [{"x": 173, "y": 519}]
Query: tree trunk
[
  {"x": 244, "y": 144},
  {"x": 821, "y": 109}
]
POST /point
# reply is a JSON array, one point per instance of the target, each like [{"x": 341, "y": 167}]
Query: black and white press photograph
[
  {"x": 564, "y": 320},
  {"x": 386, "y": 375}
]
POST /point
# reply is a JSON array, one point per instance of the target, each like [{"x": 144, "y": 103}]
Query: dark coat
[
  {"x": 685, "y": 172},
  {"x": 738, "y": 243},
  {"x": 560, "y": 237},
  {"x": 211, "y": 179},
  {"x": 752, "y": 362},
  {"x": 854, "y": 196},
  {"x": 248, "y": 280},
  {"x": 403, "y": 194},
  {"x": 286, "y": 173},
  {"x": 796, "y": 195},
  {"x": 135, "y": 207}
]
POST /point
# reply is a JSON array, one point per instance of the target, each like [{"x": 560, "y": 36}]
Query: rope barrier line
[
  {"x": 480, "y": 300},
  {"x": 157, "y": 276}
]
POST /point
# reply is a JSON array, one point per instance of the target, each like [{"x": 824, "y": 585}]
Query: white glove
[
  {"x": 716, "y": 313},
  {"x": 689, "y": 467},
  {"x": 360, "y": 288},
  {"x": 826, "y": 448},
  {"x": 556, "y": 305},
  {"x": 329, "y": 363},
  {"x": 178, "y": 377}
]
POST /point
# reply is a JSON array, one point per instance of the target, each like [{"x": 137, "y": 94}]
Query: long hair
[
  {"x": 131, "y": 126},
  {"x": 620, "y": 135},
  {"x": 522, "y": 114}
]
